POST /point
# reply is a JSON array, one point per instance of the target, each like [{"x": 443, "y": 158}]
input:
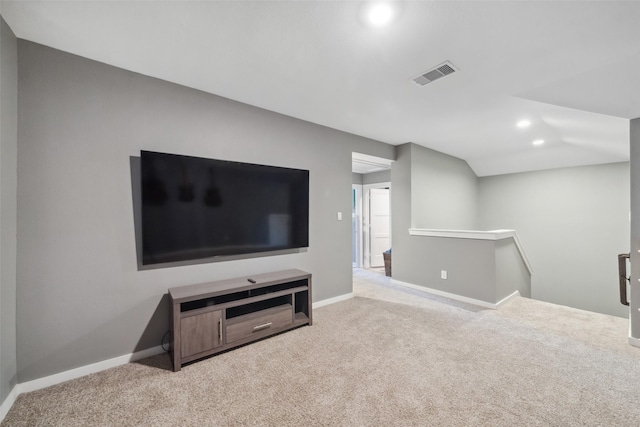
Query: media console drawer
[
  {"x": 259, "y": 323},
  {"x": 209, "y": 318}
]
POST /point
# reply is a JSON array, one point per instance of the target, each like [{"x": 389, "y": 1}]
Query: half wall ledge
[
  {"x": 476, "y": 235},
  {"x": 485, "y": 266}
]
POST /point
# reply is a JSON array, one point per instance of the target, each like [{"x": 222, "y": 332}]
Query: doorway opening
[{"x": 371, "y": 211}]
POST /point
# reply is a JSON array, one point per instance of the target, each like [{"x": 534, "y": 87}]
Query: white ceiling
[{"x": 571, "y": 67}]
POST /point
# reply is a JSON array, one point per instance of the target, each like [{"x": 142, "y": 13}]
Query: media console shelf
[{"x": 212, "y": 317}]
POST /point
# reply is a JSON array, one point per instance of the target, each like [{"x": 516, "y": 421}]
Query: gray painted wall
[
  {"x": 8, "y": 186},
  {"x": 434, "y": 190},
  {"x": 444, "y": 191},
  {"x": 371, "y": 178},
  {"x": 470, "y": 266},
  {"x": 376, "y": 177},
  {"x": 572, "y": 222},
  {"x": 634, "y": 302},
  {"x": 511, "y": 271},
  {"x": 401, "y": 212},
  {"x": 81, "y": 298}
]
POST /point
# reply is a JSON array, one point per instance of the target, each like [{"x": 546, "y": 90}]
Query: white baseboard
[
  {"x": 332, "y": 300},
  {"x": 111, "y": 363},
  {"x": 634, "y": 341},
  {"x": 8, "y": 402},
  {"x": 73, "y": 374},
  {"x": 508, "y": 298},
  {"x": 86, "y": 370},
  {"x": 457, "y": 297},
  {"x": 106, "y": 364}
]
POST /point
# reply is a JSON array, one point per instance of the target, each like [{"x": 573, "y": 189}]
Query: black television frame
[{"x": 158, "y": 187}]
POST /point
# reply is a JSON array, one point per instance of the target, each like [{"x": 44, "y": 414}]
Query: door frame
[
  {"x": 366, "y": 223},
  {"x": 358, "y": 224}
]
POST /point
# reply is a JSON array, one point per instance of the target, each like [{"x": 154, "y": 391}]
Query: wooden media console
[{"x": 212, "y": 317}]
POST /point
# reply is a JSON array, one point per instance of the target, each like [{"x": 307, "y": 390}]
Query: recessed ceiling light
[
  {"x": 538, "y": 142},
  {"x": 380, "y": 14},
  {"x": 523, "y": 124}
]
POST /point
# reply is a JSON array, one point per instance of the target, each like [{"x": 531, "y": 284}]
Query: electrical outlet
[
  {"x": 443, "y": 274},
  {"x": 339, "y": 216}
]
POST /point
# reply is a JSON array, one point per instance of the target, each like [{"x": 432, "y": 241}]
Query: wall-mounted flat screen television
[{"x": 195, "y": 208}]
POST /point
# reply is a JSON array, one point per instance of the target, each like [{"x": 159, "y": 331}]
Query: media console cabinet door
[{"x": 200, "y": 332}]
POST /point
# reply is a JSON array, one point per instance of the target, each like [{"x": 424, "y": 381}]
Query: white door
[{"x": 380, "y": 225}]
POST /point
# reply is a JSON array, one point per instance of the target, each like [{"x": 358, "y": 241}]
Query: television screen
[{"x": 194, "y": 208}]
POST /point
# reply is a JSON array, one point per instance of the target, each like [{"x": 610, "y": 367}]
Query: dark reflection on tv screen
[{"x": 195, "y": 208}]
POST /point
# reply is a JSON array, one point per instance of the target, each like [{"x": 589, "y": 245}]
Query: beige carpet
[{"x": 390, "y": 356}]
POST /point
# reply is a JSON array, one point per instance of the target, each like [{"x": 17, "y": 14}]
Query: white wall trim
[
  {"x": 8, "y": 402},
  {"x": 478, "y": 235},
  {"x": 463, "y": 234},
  {"x": 456, "y": 297},
  {"x": 86, "y": 370},
  {"x": 333, "y": 300},
  {"x": 508, "y": 298}
]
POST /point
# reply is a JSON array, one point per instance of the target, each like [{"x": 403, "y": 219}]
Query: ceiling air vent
[{"x": 441, "y": 70}]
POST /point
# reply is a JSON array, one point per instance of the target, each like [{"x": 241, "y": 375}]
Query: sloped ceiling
[{"x": 571, "y": 68}]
